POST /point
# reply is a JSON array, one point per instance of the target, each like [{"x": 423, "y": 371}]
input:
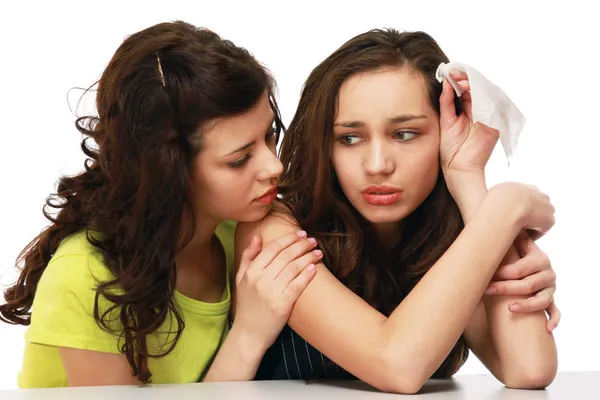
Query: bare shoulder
[{"x": 277, "y": 223}]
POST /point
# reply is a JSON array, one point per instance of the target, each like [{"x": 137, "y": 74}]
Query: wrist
[
  {"x": 237, "y": 358},
  {"x": 250, "y": 348},
  {"x": 511, "y": 212},
  {"x": 468, "y": 189}
]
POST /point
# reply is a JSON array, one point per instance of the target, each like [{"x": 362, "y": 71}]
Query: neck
[
  {"x": 200, "y": 247},
  {"x": 388, "y": 234}
]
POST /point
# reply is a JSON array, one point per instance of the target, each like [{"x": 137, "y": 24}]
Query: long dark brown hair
[
  {"x": 160, "y": 89},
  {"x": 321, "y": 208}
]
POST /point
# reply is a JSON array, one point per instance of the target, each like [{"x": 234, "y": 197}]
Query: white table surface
[{"x": 567, "y": 386}]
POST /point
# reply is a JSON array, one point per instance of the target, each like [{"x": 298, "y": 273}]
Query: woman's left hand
[
  {"x": 532, "y": 275},
  {"x": 464, "y": 146}
]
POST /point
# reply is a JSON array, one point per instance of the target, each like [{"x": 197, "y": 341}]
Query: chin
[
  {"x": 383, "y": 214},
  {"x": 383, "y": 219},
  {"x": 254, "y": 213}
]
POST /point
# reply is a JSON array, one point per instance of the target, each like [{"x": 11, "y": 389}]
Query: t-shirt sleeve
[{"x": 63, "y": 307}]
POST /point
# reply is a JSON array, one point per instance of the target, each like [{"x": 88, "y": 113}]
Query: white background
[{"x": 543, "y": 54}]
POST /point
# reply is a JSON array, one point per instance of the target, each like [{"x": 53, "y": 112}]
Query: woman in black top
[{"x": 383, "y": 168}]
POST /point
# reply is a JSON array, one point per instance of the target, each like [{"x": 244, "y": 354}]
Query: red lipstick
[
  {"x": 381, "y": 195},
  {"x": 268, "y": 197}
]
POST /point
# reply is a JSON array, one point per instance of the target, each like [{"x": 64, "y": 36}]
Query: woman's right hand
[
  {"x": 268, "y": 282},
  {"x": 530, "y": 206}
]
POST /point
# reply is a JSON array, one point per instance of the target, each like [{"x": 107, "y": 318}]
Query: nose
[
  {"x": 377, "y": 159},
  {"x": 271, "y": 167}
]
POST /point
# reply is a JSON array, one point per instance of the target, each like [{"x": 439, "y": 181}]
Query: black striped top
[{"x": 291, "y": 357}]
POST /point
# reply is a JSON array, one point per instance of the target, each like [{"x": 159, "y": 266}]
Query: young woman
[
  {"x": 395, "y": 171},
  {"x": 131, "y": 281}
]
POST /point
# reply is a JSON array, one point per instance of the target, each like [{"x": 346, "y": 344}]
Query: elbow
[
  {"x": 400, "y": 385},
  {"x": 400, "y": 377},
  {"x": 534, "y": 377},
  {"x": 409, "y": 387}
]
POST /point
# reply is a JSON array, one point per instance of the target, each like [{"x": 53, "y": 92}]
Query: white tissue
[{"x": 490, "y": 105}]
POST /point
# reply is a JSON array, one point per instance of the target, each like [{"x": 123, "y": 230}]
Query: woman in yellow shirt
[{"x": 132, "y": 280}]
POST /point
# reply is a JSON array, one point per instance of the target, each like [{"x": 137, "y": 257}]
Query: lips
[
  {"x": 268, "y": 197},
  {"x": 381, "y": 195}
]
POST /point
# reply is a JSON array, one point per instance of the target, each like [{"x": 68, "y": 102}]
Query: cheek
[
  {"x": 425, "y": 166},
  {"x": 344, "y": 165},
  {"x": 215, "y": 187},
  {"x": 223, "y": 195},
  {"x": 225, "y": 187}
]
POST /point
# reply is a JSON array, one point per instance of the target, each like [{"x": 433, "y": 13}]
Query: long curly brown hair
[
  {"x": 160, "y": 89},
  {"x": 319, "y": 205}
]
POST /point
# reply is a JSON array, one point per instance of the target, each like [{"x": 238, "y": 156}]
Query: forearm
[
  {"x": 443, "y": 302},
  {"x": 526, "y": 352},
  {"x": 237, "y": 360}
]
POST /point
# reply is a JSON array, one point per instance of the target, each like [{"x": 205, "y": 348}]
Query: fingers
[
  {"x": 447, "y": 109},
  {"x": 462, "y": 80},
  {"x": 543, "y": 300},
  {"x": 542, "y": 217},
  {"x": 273, "y": 249},
  {"x": 517, "y": 270},
  {"x": 248, "y": 256},
  {"x": 294, "y": 254},
  {"x": 533, "y": 261},
  {"x": 524, "y": 243},
  {"x": 538, "y": 302},
  {"x": 464, "y": 85},
  {"x": 459, "y": 76},
  {"x": 295, "y": 288},
  {"x": 555, "y": 315},
  {"x": 543, "y": 228},
  {"x": 525, "y": 286},
  {"x": 467, "y": 104},
  {"x": 535, "y": 235},
  {"x": 295, "y": 268}
]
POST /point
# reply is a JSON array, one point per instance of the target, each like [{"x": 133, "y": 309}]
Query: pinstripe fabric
[{"x": 291, "y": 357}]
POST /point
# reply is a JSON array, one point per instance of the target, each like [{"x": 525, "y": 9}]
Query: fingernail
[
  {"x": 318, "y": 253},
  {"x": 515, "y": 307},
  {"x": 490, "y": 290},
  {"x": 301, "y": 233},
  {"x": 311, "y": 267},
  {"x": 253, "y": 241},
  {"x": 312, "y": 240}
]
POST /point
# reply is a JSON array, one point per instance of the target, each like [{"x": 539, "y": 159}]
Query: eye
[
  {"x": 405, "y": 136},
  {"x": 277, "y": 127},
  {"x": 272, "y": 135},
  {"x": 239, "y": 163},
  {"x": 348, "y": 140}
]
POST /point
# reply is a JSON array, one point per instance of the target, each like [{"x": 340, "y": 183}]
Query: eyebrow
[
  {"x": 395, "y": 120},
  {"x": 252, "y": 143},
  {"x": 244, "y": 147}
]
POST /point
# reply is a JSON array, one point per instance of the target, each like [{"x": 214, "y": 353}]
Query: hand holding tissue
[{"x": 490, "y": 105}]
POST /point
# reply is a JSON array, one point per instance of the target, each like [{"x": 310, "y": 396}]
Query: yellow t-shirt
[{"x": 62, "y": 315}]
